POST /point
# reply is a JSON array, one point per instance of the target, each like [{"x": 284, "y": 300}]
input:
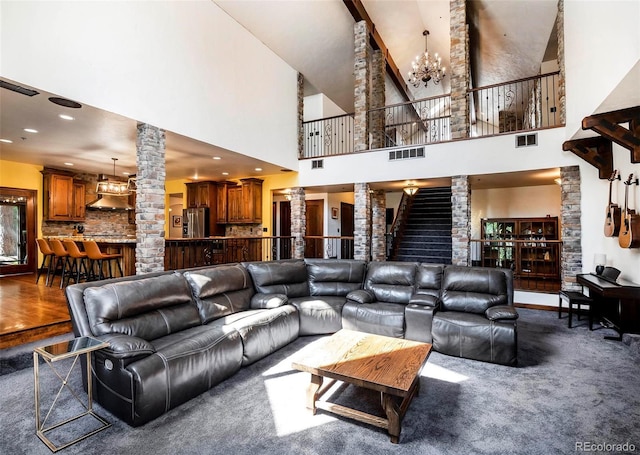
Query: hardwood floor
[{"x": 30, "y": 311}]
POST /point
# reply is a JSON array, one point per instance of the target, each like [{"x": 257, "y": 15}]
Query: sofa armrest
[
  {"x": 126, "y": 347},
  {"x": 424, "y": 300},
  {"x": 262, "y": 301},
  {"x": 498, "y": 312},
  {"x": 361, "y": 296}
]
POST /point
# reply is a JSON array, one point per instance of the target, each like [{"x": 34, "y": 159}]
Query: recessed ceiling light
[
  {"x": 225, "y": 173},
  {"x": 68, "y": 164},
  {"x": 30, "y": 130},
  {"x": 66, "y": 117},
  {"x": 6, "y": 141},
  {"x": 216, "y": 158},
  {"x": 65, "y": 102},
  {"x": 258, "y": 169}
]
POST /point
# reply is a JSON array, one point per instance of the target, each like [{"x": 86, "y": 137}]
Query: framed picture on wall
[
  {"x": 176, "y": 221},
  {"x": 334, "y": 213}
]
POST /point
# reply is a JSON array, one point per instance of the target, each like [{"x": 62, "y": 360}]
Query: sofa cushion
[
  {"x": 220, "y": 290},
  {"x": 473, "y": 290},
  {"x": 391, "y": 281},
  {"x": 334, "y": 276},
  {"x": 380, "y": 318},
  {"x": 146, "y": 308},
  {"x": 319, "y": 314},
  {"x": 279, "y": 277},
  {"x": 429, "y": 279}
]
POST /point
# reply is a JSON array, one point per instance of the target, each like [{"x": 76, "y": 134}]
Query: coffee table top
[{"x": 390, "y": 365}]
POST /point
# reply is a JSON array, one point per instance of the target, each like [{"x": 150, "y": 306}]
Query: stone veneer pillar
[
  {"x": 150, "y": 199},
  {"x": 298, "y": 222},
  {"x": 571, "y": 255},
  {"x": 461, "y": 219},
  {"x": 300, "y": 115},
  {"x": 562, "y": 98},
  {"x": 459, "y": 69},
  {"x": 361, "y": 91},
  {"x": 362, "y": 222},
  {"x": 376, "y": 120},
  {"x": 378, "y": 225}
]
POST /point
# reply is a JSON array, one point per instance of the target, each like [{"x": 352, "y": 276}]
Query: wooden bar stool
[
  {"x": 80, "y": 261},
  {"x": 62, "y": 260},
  {"x": 97, "y": 257},
  {"x": 48, "y": 260},
  {"x": 577, "y": 299}
]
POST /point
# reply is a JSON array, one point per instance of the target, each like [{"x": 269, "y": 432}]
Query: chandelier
[
  {"x": 112, "y": 187},
  {"x": 425, "y": 67}
]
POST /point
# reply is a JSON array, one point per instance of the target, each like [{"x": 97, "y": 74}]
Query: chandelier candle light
[{"x": 426, "y": 68}]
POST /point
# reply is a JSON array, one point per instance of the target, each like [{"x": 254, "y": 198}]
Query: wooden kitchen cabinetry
[
  {"x": 201, "y": 194},
  {"x": 64, "y": 197},
  {"x": 240, "y": 204}
]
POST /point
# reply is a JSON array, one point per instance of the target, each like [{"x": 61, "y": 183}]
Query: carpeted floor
[{"x": 572, "y": 387}]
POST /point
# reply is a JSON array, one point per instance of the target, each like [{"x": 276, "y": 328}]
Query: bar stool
[
  {"x": 578, "y": 299},
  {"x": 80, "y": 261},
  {"x": 62, "y": 260},
  {"x": 97, "y": 257},
  {"x": 48, "y": 258}
]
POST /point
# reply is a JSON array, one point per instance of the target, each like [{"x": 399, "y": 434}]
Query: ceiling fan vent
[{"x": 18, "y": 89}]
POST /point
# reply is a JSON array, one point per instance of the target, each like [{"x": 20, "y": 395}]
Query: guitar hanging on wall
[
  {"x": 614, "y": 213},
  {"x": 629, "y": 221}
]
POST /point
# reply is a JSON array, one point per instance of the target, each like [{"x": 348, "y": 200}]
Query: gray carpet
[{"x": 572, "y": 386}]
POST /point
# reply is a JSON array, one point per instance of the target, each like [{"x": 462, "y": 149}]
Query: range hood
[{"x": 105, "y": 202}]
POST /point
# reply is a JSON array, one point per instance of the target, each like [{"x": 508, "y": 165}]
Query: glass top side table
[{"x": 53, "y": 353}]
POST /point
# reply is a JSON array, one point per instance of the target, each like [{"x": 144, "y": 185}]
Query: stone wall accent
[
  {"x": 459, "y": 69},
  {"x": 362, "y": 222},
  {"x": 376, "y": 119},
  {"x": 461, "y": 220},
  {"x": 150, "y": 199},
  {"x": 571, "y": 255},
  {"x": 362, "y": 82},
  {"x": 298, "y": 222},
  {"x": 300, "y": 115},
  {"x": 378, "y": 225},
  {"x": 562, "y": 93}
]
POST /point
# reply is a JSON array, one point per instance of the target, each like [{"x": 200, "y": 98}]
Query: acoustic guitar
[
  {"x": 629, "y": 221},
  {"x": 614, "y": 212}
]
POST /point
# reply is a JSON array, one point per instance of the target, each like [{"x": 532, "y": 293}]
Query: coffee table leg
[
  {"x": 312, "y": 392},
  {"x": 393, "y": 416}
]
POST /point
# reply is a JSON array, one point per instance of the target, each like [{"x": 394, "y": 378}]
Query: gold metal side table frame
[{"x": 53, "y": 353}]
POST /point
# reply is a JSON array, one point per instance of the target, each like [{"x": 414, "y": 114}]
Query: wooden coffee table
[{"x": 389, "y": 365}]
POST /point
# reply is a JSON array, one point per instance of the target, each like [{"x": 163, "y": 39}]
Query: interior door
[
  {"x": 315, "y": 222},
  {"x": 17, "y": 231},
  {"x": 347, "y": 230},
  {"x": 284, "y": 248}
]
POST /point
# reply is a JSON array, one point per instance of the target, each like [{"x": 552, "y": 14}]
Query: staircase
[{"x": 425, "y": 235}]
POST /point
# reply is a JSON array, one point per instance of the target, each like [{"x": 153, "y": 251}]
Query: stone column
[
  {"x": 459, "y": 71},
  {"x": 376, "y": 120},
  {"x": 300, "y": 115},
  {"x": 362, "y": 222},
  {"x": 361, "y": 73},
  {"x": 571, "y": 255},
  {"x": 562, "y": 93},
  {"x": 150, "y": 199},
  {"x": 378, "y": 226},
  {"x": 461, "y": 220},
  {"x": 298, "y": 222}
]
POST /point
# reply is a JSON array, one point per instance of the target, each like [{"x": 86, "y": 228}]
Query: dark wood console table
[{"x": 617, "y": 305}]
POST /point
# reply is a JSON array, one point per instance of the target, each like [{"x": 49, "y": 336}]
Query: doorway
[
  {"x": 17, "y": 231},
  {"x": 315, "y": 226},
  {"x": 284, "y": 247},
  {"x": 347, "y": 230}
]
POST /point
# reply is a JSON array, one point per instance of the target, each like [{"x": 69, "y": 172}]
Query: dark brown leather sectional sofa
[{"x": 174, "y": 335}]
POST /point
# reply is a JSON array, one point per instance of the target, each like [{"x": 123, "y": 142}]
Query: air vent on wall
[
  {"x": 18, "y": 89},
  {"x": 406, "y": 153},
  {"x": 526, "y": 140},
  {"x": 317, "y": 164}
]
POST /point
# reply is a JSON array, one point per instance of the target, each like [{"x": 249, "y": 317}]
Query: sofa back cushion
[
  {"x": 391, "y": 281},
  {"x": 220, "y": 291},
  {"x": 279, "y": 277},
  {"x": 147, "y": 308},
  {"x": 473, "y": 290},
  {"x": 429, "y": 279},
  {"x": 335, "y": 277}
]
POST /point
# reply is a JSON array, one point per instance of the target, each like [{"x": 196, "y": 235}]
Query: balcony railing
[{"x": 329, "y": 136}]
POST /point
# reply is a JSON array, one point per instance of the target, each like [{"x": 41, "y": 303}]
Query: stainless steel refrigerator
[{"x": 195, "y": 223}]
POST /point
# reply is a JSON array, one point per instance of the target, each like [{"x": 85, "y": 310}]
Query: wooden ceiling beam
[
  {"x": 597, "y": 151},
  {"x": 359, "y": 13},
  {"x": 608, "y": 125}
]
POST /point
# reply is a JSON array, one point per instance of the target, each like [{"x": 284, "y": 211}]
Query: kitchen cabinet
[
  {"x": 234, "y": 205},
  {"x": 223, "y": 201},
  {"x": 64, "y": 197},
  {"x": 244, "y": 202},
  {"x": 205, "y": 195}
]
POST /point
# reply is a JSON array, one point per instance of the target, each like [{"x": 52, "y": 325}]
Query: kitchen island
[{"x": 110, "y": 245}]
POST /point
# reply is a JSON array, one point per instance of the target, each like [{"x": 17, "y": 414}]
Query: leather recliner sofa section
[{"x": 174, "y": 335}]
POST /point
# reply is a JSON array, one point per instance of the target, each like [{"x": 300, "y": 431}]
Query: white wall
[
  {"x": 318, "y": 106},
  {"x": 183, "y": 66}
]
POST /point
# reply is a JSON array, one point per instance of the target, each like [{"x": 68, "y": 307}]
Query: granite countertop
[{"x": 98, "y": 239}]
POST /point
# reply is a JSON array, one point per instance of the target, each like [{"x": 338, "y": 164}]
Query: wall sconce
[{"x": 410, "y": 189}]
